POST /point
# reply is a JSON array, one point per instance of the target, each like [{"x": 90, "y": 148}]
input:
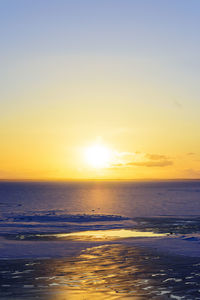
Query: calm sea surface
[{"x": 130, "y": 199}]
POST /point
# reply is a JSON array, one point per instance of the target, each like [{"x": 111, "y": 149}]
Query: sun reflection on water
[
  {"x": 99, "y": 235},
  {"x": 102, "y": 272}
]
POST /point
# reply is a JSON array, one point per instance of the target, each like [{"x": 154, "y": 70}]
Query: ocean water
[
  {"x": 131, "y": 199},
  {"x": 61, "y": 206},
  {"x": 70, "y": 240}
]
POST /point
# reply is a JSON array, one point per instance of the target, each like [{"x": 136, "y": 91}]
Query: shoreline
[{"x": 187, "y": 246}]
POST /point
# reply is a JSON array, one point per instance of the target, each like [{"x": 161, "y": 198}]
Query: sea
[{"x": 100, "y": 240}]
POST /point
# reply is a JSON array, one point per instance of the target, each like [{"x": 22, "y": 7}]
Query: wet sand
[
  {"x": 102, "y": 272},
  {"x": 146, "y": 258}
]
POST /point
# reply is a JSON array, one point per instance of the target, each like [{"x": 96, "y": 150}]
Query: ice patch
[
  {"x": 59, "y": 221},
  {"x": 57, "y": 216}
]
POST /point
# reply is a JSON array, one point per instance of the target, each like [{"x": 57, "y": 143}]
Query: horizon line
[{"x": 92, "y": 179}]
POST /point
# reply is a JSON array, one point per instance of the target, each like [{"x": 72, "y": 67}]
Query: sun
[{"x": 98, "y": 156}]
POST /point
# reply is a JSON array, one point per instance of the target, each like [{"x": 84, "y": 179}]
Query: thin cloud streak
[{"x": 162, "y": 163}]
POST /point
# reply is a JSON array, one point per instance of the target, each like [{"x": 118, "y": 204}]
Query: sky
[{"x": 119, "y": 74}]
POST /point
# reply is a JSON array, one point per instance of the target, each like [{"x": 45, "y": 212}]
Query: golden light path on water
[{"x": 105, "y": 234}]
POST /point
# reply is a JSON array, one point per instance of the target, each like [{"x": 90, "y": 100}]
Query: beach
[{"x": 99, "y": 250}]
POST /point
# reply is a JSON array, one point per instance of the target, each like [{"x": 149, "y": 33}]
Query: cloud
[
  {"x": 156, "y": 157},
  {"x": 192, "y": 173},
  {"x": 178, "y": 104},
  {"x": 138, "y": 159},
  {"x": 161, "y": 163}
]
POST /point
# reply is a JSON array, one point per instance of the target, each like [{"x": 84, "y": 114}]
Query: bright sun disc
[{"x": 98, "y": 156}]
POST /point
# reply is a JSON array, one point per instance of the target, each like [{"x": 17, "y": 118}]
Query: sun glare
[{"x": 98, "y": 156}]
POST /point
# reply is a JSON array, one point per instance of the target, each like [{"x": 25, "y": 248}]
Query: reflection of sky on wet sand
[{"x": 103, "y": 272}]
